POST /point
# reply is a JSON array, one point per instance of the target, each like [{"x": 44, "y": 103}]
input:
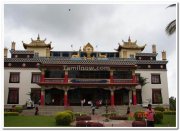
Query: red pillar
[
  {"x": 111, "y": 76},
  {"x": 42, "y": 96},
  {"x": 134, "y": 97},
  {"x": 112, "y": 97},
  {"x": 66, "y": 77},
  {"x": 42, "y": 75},
  {"x": 65, "y": 98}
]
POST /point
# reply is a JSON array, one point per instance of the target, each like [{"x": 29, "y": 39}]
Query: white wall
[
  {"x": 147, "y": 89},
  {"x": 24, "y": 86}
]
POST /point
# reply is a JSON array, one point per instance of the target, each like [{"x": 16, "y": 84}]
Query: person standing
[{"x": 150, "y": 116}]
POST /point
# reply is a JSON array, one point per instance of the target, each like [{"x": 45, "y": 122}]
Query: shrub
[
  {"x": 18, "y": 109},
  {"x": 11, "y": 113},
  {"x": 138, "y": 124},
  {"x": 83, "y": 118},
  {"x": 158, "y": 117},
  {"x": 71, "y": 113},
  {"x": 63, "y": 118},
  {"x": 139, "y": 115},
  {"x": 109, "y": 114},
  {"x": 76, "y": 114},
  {"x": 88, "y": 124},
  {"x": 118, "y": 117},
  {"x": 159, "y": 108},
  {"x": 169, "y": 112}
]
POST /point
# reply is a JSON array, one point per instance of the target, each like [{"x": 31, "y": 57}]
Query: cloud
[{"x": 103, "y": 25}]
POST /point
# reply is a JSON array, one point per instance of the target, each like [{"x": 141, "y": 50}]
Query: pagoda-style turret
[
  {"x": 129, "y": 49},
  {"x": 130, "y": 45},
  {"x": 37, "y": 43},
  {"x": 39, "y": 46}
]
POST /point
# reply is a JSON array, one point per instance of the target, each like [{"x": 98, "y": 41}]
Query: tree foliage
[
  {"x": 172, "y": 103},
  {"x": 171, "y": 27}
]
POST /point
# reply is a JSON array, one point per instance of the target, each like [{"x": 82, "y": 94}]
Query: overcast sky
[{"x": 103, "y": 26}]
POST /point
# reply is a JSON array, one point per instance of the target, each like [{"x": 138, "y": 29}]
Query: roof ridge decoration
[
  {"x": 37, "y": 43},
  {"x": 130, "y": 45}
]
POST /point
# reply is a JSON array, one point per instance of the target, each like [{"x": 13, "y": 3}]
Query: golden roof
[
  {"x": 130, "y": 45},
  {"x": 88, "y": 45},
  {"x": 37, "y": 43}
]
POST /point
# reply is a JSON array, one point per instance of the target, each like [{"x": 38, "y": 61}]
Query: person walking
[{"x": 150, "y": 116}]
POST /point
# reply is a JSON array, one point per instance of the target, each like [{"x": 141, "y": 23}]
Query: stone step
[{"x": 52, "y": 110}]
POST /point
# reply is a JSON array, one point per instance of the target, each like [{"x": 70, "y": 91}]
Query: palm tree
[
  {"x": 171, "y": 27},
  {"x": 142, "y": 82}
]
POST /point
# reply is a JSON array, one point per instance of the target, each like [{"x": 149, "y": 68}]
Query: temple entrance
[
  {"x": 89, "y": 94},
  {"x": 54, "y": 97},
  {"x": 121, "y": 97}
]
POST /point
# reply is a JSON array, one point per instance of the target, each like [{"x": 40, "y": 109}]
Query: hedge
[
  {"x": 138, "y": 124},
  {"x": 11, "y": 113},
  {"x": 159, "y": 108},
  {"x": 118, "y": 117},
  {"x": 71, "y": 113},
  {"x": 158, "y": 117},
  {"x": 109, "y": 114},
  {"x": 88, "y": 124},
  {"x": 76, "y": 114},
  {"x": 83, "y": 118},
  {"x": 63, "y": 118},
  {"x": 169, "y": 112}
]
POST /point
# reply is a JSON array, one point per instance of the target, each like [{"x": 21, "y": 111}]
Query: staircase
[{"x": 52, "y": 110}]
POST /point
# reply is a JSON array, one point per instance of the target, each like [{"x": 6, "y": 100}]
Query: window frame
[
  {"x": 152, "y": 82},
  {"x": 13, "y": 89},
  {"x": 155, "y": 101},
  {"x": 14, "y": 73},
  {"x": 35, "y": 73}
]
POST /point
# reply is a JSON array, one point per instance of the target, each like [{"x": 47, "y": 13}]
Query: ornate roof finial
[
  {"x": 38, "y": 38},
  {"x": 129, "y": 40}
]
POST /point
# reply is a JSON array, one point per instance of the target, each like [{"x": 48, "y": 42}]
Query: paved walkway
[{"x": 110, "y": 123}]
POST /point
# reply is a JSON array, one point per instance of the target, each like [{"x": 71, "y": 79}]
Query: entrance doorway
[
  {"x": 121, "y": 97},
  {"x": 54, "y": 97},
  {"x": 89, "y": 94}
]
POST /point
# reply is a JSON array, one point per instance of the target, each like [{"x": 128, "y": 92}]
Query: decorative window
[
  {"x": 14, "y": 77},
  {"x": 155, "y": 79},
  {"x": 13, "y": 96},
  {"x": 35, "y": 77},
  {"x": 131, "y": 55},
  {"x": 156, "y": 96}
]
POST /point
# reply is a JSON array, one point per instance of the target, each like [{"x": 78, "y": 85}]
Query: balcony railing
[
  {"x": 123, "y": 81},
  {"x": 81, "y": 80},
  {"x": 54, "y": 80}
]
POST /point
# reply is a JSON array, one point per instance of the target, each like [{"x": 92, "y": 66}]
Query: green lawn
[
  {"x": 168, "y": 121},
  {"x": 49, "y": 121},
  {"x": 29, "y": 121}
]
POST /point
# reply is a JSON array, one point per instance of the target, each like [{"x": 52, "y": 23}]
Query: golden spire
[
  {"x": 38, "y": 38},
  {"x": 129, "y": 40}
]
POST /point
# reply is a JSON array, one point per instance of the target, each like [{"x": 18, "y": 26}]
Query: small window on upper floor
[
  {"x": 35, "y": 77},
  {"x": 155, "y": 79},
  {"x": 131, "y": 55},
  {"x": 14, "y": 77}
]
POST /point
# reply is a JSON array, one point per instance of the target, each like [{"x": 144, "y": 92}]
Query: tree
[
  {"x": 142, "y": 82},
  {"x": 171, "y": 27},
  {"x": 172, "y": 103}
]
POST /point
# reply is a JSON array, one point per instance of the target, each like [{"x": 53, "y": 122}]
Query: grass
[
  {"x": 168, "y": 121},
  {"x": 49, "y": 121},
  {"x": 29, "y": 121}
]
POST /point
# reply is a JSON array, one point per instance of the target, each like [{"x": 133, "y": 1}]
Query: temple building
[{"x": 124, "y": 76}]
